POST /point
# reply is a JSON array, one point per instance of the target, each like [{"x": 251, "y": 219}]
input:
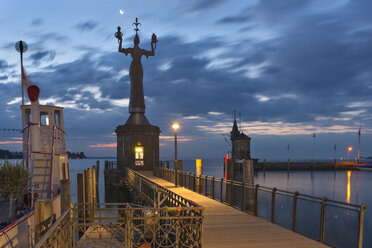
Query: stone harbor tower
[
  {"x": 240, "y": 166},
  {"x": 137, "y": 139},
  {"x": 240, "y": 144}
]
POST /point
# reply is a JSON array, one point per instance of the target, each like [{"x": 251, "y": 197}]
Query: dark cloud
[
  {"x": 4, "y": 65},
  {"x": 43, "y": 37},
  {"x": 41, "y": 56},
  {"x": 234, "y": 19},
  {"x": 205, "y": 4},
  {"x": 37, "y": 22},
  {"x": 3, "y": 78},
  {"x": 86, "y": 26}
]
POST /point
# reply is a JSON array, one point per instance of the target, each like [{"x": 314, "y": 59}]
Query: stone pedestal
[{"x": 131, "y": 137}]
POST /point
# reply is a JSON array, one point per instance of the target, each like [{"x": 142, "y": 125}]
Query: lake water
[{"x": 347, "y": 186}]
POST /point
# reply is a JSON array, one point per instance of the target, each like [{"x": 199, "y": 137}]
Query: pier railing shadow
[{"x": 335, "y": 223}]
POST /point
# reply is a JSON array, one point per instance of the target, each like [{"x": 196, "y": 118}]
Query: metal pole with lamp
[
  {"x": 349, "y": 149},
  {"x": 175, "y": 126}
]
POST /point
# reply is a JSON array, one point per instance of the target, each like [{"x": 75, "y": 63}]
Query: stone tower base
[{"x": 131, "y": 140}]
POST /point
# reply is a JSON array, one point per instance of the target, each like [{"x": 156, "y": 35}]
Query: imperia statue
[{"x": 137, "y": 101}]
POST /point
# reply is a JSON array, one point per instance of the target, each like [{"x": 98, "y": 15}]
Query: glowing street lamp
[
  {"x": 175, "y": 126},
  {"x": 349, "y": 149}
]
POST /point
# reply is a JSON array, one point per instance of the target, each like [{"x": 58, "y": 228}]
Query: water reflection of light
[{"x": 348, "y": 186}]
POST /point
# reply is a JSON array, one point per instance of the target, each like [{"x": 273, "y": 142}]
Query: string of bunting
[{"x": 11, "y": 130}]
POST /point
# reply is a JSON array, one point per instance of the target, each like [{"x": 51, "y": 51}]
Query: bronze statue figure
[{"x": 137, "y": 101}]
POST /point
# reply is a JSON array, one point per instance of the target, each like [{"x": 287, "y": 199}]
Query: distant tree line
[
  {"x": 5, "y": 154},
  {"x": 78, "y": 155}
]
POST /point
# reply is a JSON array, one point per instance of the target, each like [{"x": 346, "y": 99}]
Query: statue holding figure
[{"x": 137, "y": 101}]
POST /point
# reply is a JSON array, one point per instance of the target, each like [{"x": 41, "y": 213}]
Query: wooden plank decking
[{"x": 225, "y": 226}]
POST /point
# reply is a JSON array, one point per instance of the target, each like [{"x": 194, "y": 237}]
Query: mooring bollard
[{"x": 199, "y": 172}]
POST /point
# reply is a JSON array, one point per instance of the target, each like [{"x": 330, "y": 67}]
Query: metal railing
[
  {"x": 157, "y": 195},
  {"x": 174, "y": 222},
  {"x": 334, "y": 223},
  {"x": 112, "y": 165}
]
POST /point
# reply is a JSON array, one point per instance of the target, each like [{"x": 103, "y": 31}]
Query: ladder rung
[{"x": 40, "y": 175}]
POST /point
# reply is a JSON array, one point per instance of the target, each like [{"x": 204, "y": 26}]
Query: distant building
[{"x": 240, "y": 143}]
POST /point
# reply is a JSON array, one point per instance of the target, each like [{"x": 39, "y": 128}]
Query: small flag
[
  {"x": 314, "y": 135},
  {"x": 25, "y": 80},
  {"x": 359, "y": 132}
]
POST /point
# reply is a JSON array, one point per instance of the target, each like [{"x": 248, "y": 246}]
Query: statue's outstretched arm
[
  {"x": 149, "y": 53},
  {"x": 119, "y": 36},
  {"x": 153, "y": 42},
  {"x": 126, "y": 51}
]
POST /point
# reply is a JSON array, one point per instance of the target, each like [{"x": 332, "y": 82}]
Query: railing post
[
  {"x": 194, "y": 178},
  {"x": 323, "y": 219},
  {"x": 206, "y": 186},
  {"x": 361, "y": 225},
  {"x": 175, "y": 172},
  {"x": 256, "y": 199},
  {"x": 74, "y": 227},
  {"x": 213, "y": 179},
  {"x": 230, "y": 193},
  {"x": 294, "y": 211},
  {"x": 243, "y": 196},
  {"x": 221, "y": 190},
  {"x": 273, "y": 205}
]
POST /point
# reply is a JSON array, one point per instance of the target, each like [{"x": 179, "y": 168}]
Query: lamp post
[
  {"x": 349, "y": 149},
  {"x": 175, "y": 126}
]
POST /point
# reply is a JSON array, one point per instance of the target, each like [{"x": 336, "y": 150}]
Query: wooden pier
[{"x": 225, "y": 226}]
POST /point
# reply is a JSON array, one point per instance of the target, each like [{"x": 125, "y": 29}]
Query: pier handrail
[
  {"x": 62, "y": 224},
  {"x": 165, "y": 191},
  {"x": 125, "y": 225},
  {"x": 247, "y": 198}
]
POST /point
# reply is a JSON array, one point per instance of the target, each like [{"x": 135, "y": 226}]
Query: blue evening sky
[{"x": 291, "y": 67}]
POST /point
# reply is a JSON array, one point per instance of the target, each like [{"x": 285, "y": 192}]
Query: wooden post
[
  {"x": 88, "y": 193},
  {"x": 97, "y": 181},
  {"x": 94, "y": 186},
  {"x": 166, "y": 164},
  {"x": 43, "y": 214},
  {"x": 65, "y": 185},
  {"x": 199, "y": 172},
  {"x": 81, "y": 198},
  {"x": 97, "y": 171}
]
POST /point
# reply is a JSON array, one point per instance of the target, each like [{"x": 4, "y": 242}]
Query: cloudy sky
[{"x": 291, "y": 67}]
